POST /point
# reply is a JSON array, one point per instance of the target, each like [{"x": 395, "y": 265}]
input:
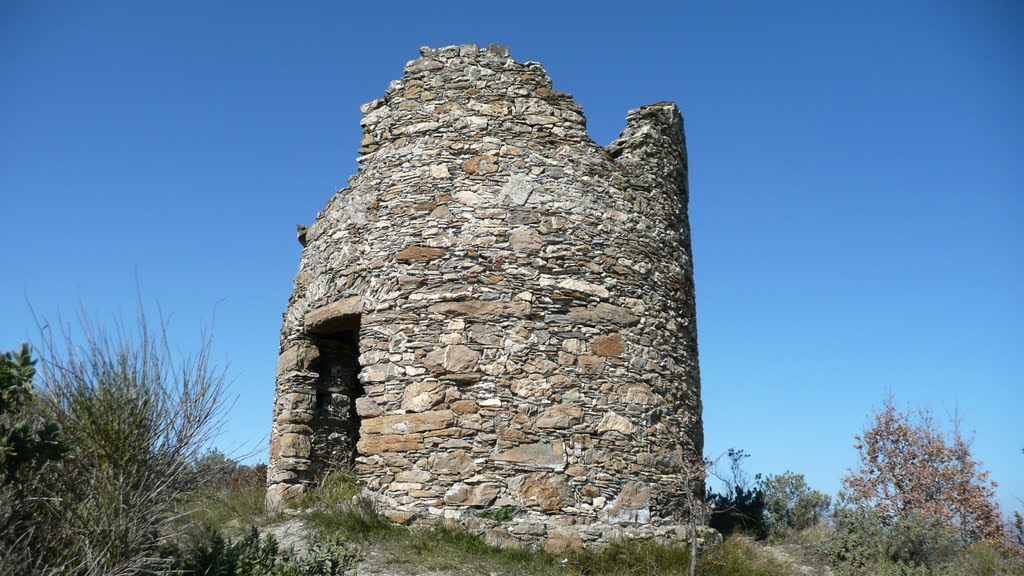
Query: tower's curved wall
[{"x": 497, "y": 312}]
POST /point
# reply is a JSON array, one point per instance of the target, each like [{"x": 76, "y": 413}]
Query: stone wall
[{"x": 523, "y": 303}]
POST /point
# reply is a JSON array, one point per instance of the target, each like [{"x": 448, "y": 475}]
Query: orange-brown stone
[
  {"x": 481, "y": 165},
  {"x": 419, "y": 254},
  {"x": 380, "y": 443},
  {"x": 609, "y": 345}
]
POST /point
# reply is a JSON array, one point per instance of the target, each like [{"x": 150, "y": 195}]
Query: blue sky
[{"x": 856, "y": 176}]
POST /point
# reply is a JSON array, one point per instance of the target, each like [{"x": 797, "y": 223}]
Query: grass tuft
[
  {"x": 338, "y": 507},
  {"x": 447, "y": 547},
  {"x": 503, "y": 514},
  {"x": 741, "y": 556},
  {"x": 631, "y": 558},
  {"x": 230, "y": 510}
]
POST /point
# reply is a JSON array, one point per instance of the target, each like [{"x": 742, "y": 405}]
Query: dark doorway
[{"x": 335, "y": 421}]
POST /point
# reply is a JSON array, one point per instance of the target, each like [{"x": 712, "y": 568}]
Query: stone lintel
[{"x": 339, "y": 316}]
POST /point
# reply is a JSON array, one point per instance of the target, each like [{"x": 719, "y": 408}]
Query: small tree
[{"x": 909, "y": 467}]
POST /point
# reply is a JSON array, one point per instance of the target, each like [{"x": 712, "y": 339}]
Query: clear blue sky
[{"x": 857, "y": 185}]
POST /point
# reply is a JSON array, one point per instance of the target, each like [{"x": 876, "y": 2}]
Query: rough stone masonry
[{"x": 495, "y": 319}]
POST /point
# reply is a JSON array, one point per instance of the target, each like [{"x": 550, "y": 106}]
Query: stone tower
[{"x": 498, "y": 314}]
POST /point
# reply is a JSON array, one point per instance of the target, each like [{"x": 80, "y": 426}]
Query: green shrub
[
  {"x": 985, "y": 558},
  {"x": 25, "y": 440},
  {"x": 856, "y": 543},
  {"x": 863, "y": 543},
  {"x": 741, "y": 512},
  {"x": 28, "y": 442},
  {"x": 210, "y": 554},
  {"x": 216, "y": 467},
  {"x": 920, "y": 541},
  {"x": 327, "y": 556},
  {"x": 790, "y": 504}
]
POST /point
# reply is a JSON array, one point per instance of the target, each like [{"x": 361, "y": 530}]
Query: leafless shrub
[{"x": 134, "y": 416}]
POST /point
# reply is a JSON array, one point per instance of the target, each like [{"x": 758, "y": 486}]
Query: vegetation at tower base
[
  {"x": 498, "y": 315},
  {"x": 338, "y": 508},
  {"x": 206, "y": 533}
]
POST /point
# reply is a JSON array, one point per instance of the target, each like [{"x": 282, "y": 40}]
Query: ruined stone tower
[{"x": 498, "y": 314}]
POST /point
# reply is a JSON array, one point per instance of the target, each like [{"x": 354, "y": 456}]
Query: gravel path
[{"x": 794, "y": 555}]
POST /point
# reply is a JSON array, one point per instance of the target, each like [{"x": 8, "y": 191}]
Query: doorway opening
[{"x": 335, "y": 420}]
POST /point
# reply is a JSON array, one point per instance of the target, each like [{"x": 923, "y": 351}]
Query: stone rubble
[{"x": 498, "y": 314}]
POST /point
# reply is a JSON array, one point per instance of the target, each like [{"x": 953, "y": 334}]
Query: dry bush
[
  {"x": 232, "y": 498},
  {"x": 134, "y": 416}
]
